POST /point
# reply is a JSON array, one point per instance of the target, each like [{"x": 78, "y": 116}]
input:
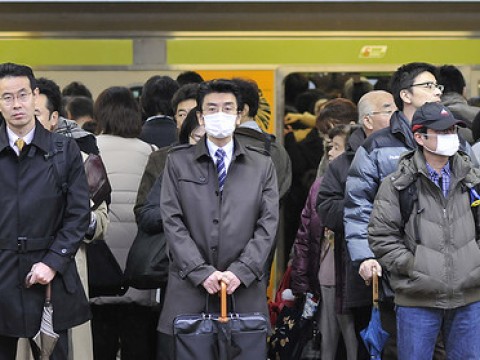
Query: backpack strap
[
  {"x": 58, "y": 154},
  {"x": 407, "y": 198}
]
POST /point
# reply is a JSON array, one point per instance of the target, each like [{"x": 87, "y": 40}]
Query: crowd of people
[{"x": 371, "y": 180}]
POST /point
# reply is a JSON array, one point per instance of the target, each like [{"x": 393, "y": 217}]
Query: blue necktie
[{"x": 221, "y": 171}]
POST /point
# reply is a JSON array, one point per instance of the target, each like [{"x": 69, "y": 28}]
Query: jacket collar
[
  {"x": 40, "y": 140},
  {"x": 201, "y": 150},
  {"x": 400, "y": 127}
]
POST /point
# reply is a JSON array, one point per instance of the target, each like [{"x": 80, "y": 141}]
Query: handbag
[
  {"x": 225, "y": 336},
  {"x": 147, "y": 261},
  {"x": 98, "y": 183},
  {"x": 105, "y": 277}
]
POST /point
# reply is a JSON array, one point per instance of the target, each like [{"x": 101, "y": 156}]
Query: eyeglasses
[
  {"x": 226, "y": 108},
  {"x": 22, "y": 96},
  {"x": 383, "y": 112},
  {"x": 430, "y": 85}
]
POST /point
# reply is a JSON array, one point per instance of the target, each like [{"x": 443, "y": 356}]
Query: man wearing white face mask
[
  {"x": 432, "y": 252},
  {"x": 219, "y": 205}
]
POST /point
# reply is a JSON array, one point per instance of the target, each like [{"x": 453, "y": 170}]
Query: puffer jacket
[
  {"x": 434, "y": 258},
  {"x": 373, "y": 161}
]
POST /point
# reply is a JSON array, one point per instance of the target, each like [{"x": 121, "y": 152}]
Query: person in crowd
[
  {"x": 374, "y": 111},
  {"x": 78, "y": 109},
  {"x": 454, "y": 97},
  {"x": 207, "y": 243},
  {"x": 306, "y": 156},
  {"x": 46, "y": 110},
  {"x": 189, "y": 77},
  {"x": 476, "y": 135},
  {"x": 159, "y": 128},
  {"x": 412, "y": 85},
  {"x": 76, "y": 88},
  {"x": 183, "y": 101},
  {"x": 313, "y": 264},
  {"x": 432, "y": 251},
  {"x": 248, "y": 132},
  {"x": 43, "y": 221},
  {"x": 125, "y": 322}
]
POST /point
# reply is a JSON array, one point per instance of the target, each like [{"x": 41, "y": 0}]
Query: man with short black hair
[
  {"x": 433, "y": 255},
  {"x": 44, "y": 218}
]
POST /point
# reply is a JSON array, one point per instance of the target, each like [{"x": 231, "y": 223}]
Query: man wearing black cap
[{"x": 432, "y": 253}]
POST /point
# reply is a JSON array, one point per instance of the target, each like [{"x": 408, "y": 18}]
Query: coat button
[
  {"x": 202, "y": 179},
  {"x": 214, "y": 249},
  {"x": 215, "y": 221},
  {"x": 64, "y": 251}
]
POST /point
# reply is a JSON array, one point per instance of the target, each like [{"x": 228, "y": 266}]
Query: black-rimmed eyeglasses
[{"x": 430, "y": 85}]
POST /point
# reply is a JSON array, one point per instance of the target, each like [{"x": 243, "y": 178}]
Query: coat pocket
[
  {"x": 70, "y": 279},
  {"x": 467, "y": 265}
]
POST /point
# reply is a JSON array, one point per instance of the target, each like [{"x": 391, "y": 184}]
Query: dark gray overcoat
[
  {"x": 208, "y": 231},
  {"x": 39, "y": 223}
]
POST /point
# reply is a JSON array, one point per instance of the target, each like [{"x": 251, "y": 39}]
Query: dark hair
[
  {"x": 76, "y": 88},
  {"x": 116, "y": 113},
  {"x": 451, "y": 78},
  {"x": 185, "y": 92},
  {"x": 476, "y": 127},
  {"x": 307, "y": 99},
  {"x": 189, "y": 77},
  {"x": 335, "y": 112},
  {"x": 157, "y": 95},
  {"x": 78, "y": 106},
  {"x": 218, "y": 86},
  {"x": 16, "y": 70},
  {"x": 294, "y": 84},
  {"x": 340, "y": 130},
  {"x": 51, "y": 90},
  {"x": 189, "y": 124},
  {"x": 250, "y": 94},
  {"x": 404, "y": 76}
]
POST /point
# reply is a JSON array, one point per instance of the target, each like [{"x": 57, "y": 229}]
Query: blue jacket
[{"x": 373, "y": 161}]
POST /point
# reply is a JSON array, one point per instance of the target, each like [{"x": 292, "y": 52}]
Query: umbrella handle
[
  {"x": 223, "y": 303},
  {"x": 375, "y": 288},
  {"x": 48, "y": 292}
]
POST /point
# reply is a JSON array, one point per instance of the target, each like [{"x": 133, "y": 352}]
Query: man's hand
[
  {"x": 212, "y": 283},
  {"x": 40, "y": 274},
  {"x": 232, "y": 281},
  {"x": 367, "y": 268},
  {"x": 291, "y": 118}
]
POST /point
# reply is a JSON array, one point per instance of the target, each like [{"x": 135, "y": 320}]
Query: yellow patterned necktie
[{"x": 20, "y": 144}]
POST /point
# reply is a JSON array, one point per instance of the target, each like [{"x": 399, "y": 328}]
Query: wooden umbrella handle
[
  {"x": 375, "y": 288},
  {"x": 223, "y": 303}
]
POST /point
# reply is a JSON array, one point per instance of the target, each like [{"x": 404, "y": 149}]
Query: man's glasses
[
  {"x": 22, "y": 96},
  {"x": 382, "y": 112},
  {"x": 226, "y": 108},
  {"x": 430, "y": 85}
]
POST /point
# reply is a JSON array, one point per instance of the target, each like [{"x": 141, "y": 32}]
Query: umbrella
[
  {"x": 46, "y": 338},
  {"x": 373, "y": 336}
]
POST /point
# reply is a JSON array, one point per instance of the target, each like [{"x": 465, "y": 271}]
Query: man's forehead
[
  {"x": 15, "y": 83},
  {"x": 219, "y": 98}
]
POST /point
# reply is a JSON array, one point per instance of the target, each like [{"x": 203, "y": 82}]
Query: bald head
[{"x": 374, "y": 110}]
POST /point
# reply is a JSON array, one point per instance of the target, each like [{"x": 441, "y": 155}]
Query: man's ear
[
  {"x": 53, "y": 120},
  {"x": 406, "y": 96},
  {"x": 367, "y": 122},
  {"x": 245, "y": 110},
  {"x": 418, "y": 138}
]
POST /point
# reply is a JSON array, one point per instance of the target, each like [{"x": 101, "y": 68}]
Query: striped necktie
[
  {"x": 221, "y": 171},
  {"x": 20, "y": 144}
]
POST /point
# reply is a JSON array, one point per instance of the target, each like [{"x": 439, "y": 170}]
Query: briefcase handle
[{"x": 223, "y": 303}]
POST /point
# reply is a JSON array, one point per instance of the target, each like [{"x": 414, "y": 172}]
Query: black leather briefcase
[{"x": 224, "y": 336}]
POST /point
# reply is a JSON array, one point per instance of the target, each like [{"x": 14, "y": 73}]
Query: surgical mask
[
  {"x": 220, "y": 125},
  {"x": 447, "y": 144}
]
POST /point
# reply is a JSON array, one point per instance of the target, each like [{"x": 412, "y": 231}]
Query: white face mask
[
  {"x": 220, "y": 125},
  {"x": 447, "y": 144}
]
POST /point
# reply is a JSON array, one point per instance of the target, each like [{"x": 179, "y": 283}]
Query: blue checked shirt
[{"x": 444, "y": 177}]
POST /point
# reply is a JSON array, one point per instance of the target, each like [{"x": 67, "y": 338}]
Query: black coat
[
  {"x": 49, "y": 225},
  {"x": 351, "y": 290}
]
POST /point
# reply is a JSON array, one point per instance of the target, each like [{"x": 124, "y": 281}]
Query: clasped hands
[{"x": 212, "y": 283}]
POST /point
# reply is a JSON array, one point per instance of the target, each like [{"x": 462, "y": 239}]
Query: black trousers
[
  {"x": 8, "y": 348},
  {"x": 129, "y": 328}
]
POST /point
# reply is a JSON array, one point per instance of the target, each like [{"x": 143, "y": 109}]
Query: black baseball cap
[{"x": 434, "y": 116}]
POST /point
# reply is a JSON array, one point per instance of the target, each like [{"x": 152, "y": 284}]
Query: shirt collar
[
  {"x": 12, "y": 137},
  {"x": 444, "y": 172},
  {"x": 228, "y": 148}
]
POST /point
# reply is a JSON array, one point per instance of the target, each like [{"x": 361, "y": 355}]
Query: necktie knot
[
  {"x": 20, "y": 143},
  {"x": 221, "y": 170}
]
